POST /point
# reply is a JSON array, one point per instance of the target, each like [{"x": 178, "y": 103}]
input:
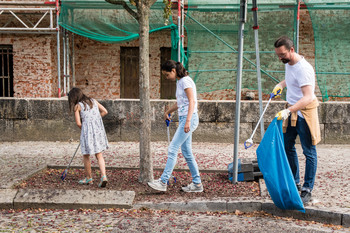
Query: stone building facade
[{"x": 97, "y": 65}]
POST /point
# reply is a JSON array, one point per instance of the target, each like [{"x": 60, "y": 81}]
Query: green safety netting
[
  {"x": 212, "y": 38},
  {"x": 212, "y": 30},
  {"x": 331, "y": 28},
  {"x": 110, "y": 23}
]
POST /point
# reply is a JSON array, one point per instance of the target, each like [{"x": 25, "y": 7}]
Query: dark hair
[
  {"x": 284, "y": 40},
  {"x": 75, "y": 96},
  {"x": 180, "y": 69}
]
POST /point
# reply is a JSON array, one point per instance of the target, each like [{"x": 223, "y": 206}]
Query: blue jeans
[
  {"x": 183, "y": 140},
  {"x": 309, "y": 150}
]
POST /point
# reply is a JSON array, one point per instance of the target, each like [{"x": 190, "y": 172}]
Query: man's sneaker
[
  {"x": 193, "y": 188},
  {"x": 305, "y": 196},
  {"x": 299, "y": 187},
  {"x": 157, "y": 185}
]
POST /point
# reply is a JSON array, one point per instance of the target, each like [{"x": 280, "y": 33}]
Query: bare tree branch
[{"x": 126, "y": 7}]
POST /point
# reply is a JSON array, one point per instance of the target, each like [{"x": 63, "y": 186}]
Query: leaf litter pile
[{"x": 216, "y": 185}]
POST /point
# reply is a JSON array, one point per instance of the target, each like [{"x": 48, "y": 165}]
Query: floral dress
[{"x": 93, "y": 138}]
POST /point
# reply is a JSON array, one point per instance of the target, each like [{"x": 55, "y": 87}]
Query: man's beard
[{"x": 285, "y": 60}]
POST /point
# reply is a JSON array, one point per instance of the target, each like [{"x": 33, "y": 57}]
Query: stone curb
[
  {"x": 92, "y": 199},
  {"x": 65, "y": 199},
  {"x": 341, "y": 217}
]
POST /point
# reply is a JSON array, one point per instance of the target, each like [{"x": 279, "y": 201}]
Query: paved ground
[
  {"x": 19, "y": 159},
  {"x": 150, "y": 221}
]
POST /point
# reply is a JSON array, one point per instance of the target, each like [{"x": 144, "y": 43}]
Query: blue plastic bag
[
  {"x": 240, "y": 176},
  {"x": 273, "y": 164}
]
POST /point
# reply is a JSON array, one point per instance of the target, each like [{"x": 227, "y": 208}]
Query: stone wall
[{"x": 49, "y": 120}]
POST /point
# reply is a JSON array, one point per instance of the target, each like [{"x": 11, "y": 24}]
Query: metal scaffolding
[{"x": 41, "y": 18}]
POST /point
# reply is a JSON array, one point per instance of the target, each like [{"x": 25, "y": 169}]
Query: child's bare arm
[
  {"x": 103, "y": 110},
  {"x": 77, "y": 110}
]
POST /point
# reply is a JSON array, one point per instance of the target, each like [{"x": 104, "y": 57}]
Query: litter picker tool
[
  {"x": 167, "y": 128},
  {"x": 249, "y": 142},
  {"x": 64, "y": 173},
  {"x": 168, "y": 133}
]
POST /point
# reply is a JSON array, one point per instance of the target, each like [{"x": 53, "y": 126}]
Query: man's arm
[{"x": 283, "y": 84}]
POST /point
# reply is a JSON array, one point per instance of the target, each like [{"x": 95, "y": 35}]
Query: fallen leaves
[{"x": 216, "y": 185}]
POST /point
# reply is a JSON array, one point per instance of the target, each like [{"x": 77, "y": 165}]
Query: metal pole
[
  {"x": 298, "y": 22},
  {"x": 73, "y": 65},
  {"x": 58, "y": 50},
  {"x": 68, "y": 61},
  {"x": 258, "y": 72},
  {"x": 179, "y": 30},
  {"x": 73, "y": 60},
  {"x": 64, "y": 63},
  {"x": 182, "y": 28},
  {"x": 243, "y": 19}
]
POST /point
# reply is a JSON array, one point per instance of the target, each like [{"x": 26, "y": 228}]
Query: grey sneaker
[
  {"x": 157, "y": 185},
  {"x": 299, "y": 187},
  {"x": 193, "y": 188},
  {"x": 305, "y": 196}
]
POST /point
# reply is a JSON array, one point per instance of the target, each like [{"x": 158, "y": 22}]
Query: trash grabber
[
  {"x": 168, "y": 133},
  {"x": 64, "y": 173},
  {"x": 167, "y": 128},
  {"x": 249, "y": 142}
]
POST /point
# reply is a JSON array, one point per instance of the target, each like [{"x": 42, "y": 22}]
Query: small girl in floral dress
[{"x": 88, "y": 115}]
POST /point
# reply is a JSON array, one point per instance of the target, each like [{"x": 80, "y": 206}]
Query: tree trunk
[
  {"x": 146, "y": 163},
  {"x": 142, "y": 16}
]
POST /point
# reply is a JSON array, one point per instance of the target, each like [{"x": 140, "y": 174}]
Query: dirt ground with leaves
[{"x": 216, "y": 185}]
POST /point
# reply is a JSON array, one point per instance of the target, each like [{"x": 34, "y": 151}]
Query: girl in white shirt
[{"x": 186, "y": 104}]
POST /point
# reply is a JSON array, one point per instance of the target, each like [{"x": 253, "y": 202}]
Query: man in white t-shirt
[{"x": 300, "y": 83}]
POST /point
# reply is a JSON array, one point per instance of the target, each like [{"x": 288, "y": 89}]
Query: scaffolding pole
[
  {"x": 182, "y": 28},
  {"x": 242, "y": 19},
  {"x": 258, "y": 72},
  {"x": 179, "y": 30},
  {"x": 298, "y": 22},
  {"x": 64, "y": 61},
  {"x": 68, "y": 62},
  {"x": 73, "y": 62},
  {"x": 58, "y": 49}
]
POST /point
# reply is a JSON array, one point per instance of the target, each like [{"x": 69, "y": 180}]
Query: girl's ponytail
[{"x": 180, "y": 69}]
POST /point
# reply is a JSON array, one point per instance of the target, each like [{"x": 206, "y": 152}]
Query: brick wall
[
  {"x": 32, "y": 61},
  {"x": 97, "y": 65}
]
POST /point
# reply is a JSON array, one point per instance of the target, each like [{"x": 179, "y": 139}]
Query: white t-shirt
[
  {"x": 296, "y": 76},
  {"x": 181, "y": 97}
]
